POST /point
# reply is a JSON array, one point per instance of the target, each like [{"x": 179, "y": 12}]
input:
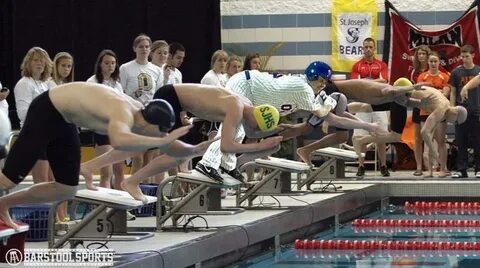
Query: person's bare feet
[
  {"x": 305, "y": 156},
  {"x": 88, "y": 176},
  {"x": 134, "y": 190},
  {"x": 5, "y": 217},
  {"x": 442, "y": 174},
  {"x": 429, "y": 174}
]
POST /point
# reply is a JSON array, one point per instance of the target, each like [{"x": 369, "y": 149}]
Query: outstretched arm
[
  {"x": 347, "y": 123},
  {"x": 122, "y": 138},
  {"x": 256, "y": 134},
  {"x": 350, "y": 116},
  {"x": 397, "y": 91},
  {"x": 294, "y": 130},
  {"x": 402, "y": 89},
  {"x": 359, "y": 107},
  {"x": 181, "y": 149}
]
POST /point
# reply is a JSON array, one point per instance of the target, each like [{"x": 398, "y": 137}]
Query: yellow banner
[{"x": 352, "y": 22}]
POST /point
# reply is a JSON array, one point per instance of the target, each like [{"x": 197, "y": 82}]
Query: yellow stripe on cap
[
  {"x": 403, "y": 82},
  {"x": 267, "y": 117}
]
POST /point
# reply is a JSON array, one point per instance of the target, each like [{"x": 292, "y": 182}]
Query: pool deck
[{"x": 231, "y": 238}]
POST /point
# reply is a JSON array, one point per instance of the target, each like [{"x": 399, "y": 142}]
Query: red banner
[{"x": 402, "y": 37}]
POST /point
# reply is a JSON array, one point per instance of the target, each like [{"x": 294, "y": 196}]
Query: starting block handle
[
  {"x": 198, "y": 178},
  {"x": 337, "y": 153},
  {"x": 283, "y": 164}
]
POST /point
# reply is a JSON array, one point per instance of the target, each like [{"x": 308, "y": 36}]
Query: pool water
[{"x": 287, "y": 256}]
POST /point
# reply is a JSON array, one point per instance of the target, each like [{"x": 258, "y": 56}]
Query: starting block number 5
[{"x": 103, "y": 226}]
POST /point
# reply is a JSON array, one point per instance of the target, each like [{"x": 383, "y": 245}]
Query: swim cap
[
  {"x": 402, "y": 81},
  {"x": 318, "y": 69},
  {"x": 461, "y": 114},
  {"x": 267, "y": 117},
  {"x": 5, "y": 128},
  {"x": 159, "y": 112}
]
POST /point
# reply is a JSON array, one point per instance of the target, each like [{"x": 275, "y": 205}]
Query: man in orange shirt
[{"x": 376, "y": 70}]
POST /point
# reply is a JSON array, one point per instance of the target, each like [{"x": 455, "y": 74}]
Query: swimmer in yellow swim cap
[
  {"x": 402, "y": 82},
  {"x": 267, "y": 117}
]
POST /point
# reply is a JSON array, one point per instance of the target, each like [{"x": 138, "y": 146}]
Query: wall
[{"x": 304, "y": 26}]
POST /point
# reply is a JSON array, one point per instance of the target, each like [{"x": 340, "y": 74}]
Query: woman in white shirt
[
  {"x": 36, "y": 69},
  {"x": 234, "y": 65},
  {"x": 159, "y": 56},
  {"x": 140, "y": 79},
  {"x": 62, "y": 70},
  {"x": 107, "y": 73},
  {"x": 216, "y": 76}
]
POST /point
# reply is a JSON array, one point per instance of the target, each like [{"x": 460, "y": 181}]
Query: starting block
[
  {"x": 12, "y": 240},
  {"x": 204, "y": 199},
  {"x": 107, "y": 222},
  {"x": 277, "y": 182},
  {"x": 332, "y": 168}
]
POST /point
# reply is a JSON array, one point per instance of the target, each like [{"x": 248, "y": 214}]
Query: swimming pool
[{"x": 431, "y": 225}]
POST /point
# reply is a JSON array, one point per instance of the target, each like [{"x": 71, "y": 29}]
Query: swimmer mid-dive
[
  {"x": 232, "y": 110},
  {"x": 51, "y": 127}
]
